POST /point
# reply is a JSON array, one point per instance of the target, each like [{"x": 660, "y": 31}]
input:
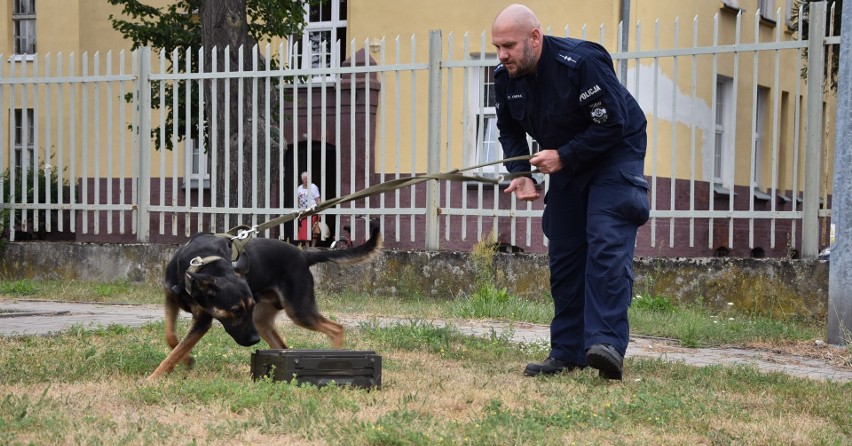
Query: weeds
[{"x": 488, "y": 300}]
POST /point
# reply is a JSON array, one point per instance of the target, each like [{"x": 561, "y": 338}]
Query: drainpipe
[{"x": 624, "y": 18}]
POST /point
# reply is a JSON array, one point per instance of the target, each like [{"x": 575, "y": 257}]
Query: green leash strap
[{"x": 240, "y": 234}]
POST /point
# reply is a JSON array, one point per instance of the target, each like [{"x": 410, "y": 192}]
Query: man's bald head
[
  {"x": 518, "y": 17},
  {"x": 516, "y": 33}
]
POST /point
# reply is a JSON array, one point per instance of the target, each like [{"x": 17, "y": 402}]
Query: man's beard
[{"x": 527, "y": 63}]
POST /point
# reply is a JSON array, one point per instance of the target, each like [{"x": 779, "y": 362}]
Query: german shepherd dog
[{"x": 245, "y": 296}]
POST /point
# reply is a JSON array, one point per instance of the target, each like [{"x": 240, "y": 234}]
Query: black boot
[
  {"x": 604, "y": 358},
  {"x": 549, "y": 366}
]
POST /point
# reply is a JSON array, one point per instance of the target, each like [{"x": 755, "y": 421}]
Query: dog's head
[{"x": 226, "y": 296}]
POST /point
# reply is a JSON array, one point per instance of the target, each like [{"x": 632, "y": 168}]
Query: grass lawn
[{"x": 439, "y": 387}]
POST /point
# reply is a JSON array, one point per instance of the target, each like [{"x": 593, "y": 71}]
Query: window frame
[
  {"x": 724, "y": 129},
  {"x": 196, "y": 166},
  {"x": 335, "y": 54},
  {"x": 789, "y": 15},
  {"x": 20, "y": 17},
  {"x": 21, "y": 140},
  {"x": 482, "y": 119},
  {"x": 732, "y": 4},
  {"x": 767, "y": 10},
  {"x": 758, "y": 137}
]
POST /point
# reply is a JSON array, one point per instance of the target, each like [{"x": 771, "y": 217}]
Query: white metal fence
[{"x": 82, "y": 162}]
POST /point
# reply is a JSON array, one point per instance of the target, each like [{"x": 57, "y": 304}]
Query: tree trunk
[{"x": 224, "y": 26}]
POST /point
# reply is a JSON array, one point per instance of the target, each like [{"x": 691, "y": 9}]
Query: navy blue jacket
[{"x": 572, "y": 103}]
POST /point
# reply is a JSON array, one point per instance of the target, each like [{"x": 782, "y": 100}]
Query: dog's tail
[{"x": 356, "y": 254}]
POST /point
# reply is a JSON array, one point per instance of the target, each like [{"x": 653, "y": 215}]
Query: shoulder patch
[{"x": 570, "y": 59}]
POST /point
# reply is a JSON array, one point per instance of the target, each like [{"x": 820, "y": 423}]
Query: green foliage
[
  {"x": 696, "y": 326},
  {"x": 833, "y": 25},
  {"x": 653, "y": 303},
  {"x": 24, "y": 287},
  {"x": 111, "y": 288},
  {"x": 176, "y": 29}
]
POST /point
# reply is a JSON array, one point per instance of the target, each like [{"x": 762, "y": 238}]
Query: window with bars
[
  {"x": 323, "y": 43},
  {"x": 24, "y": 124},
  {"x": 23, "y": 22}
]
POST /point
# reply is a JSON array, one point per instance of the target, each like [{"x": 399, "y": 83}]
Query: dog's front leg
[
  {"x": 200, "y": 325},
  {"x": 264, "y": 321},
  {"x": 172, "y": 311}
]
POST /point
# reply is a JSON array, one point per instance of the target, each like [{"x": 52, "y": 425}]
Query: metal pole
[
  {"x": 840, "y": 281},
  {"x": 813, "y": 130},
  {"x": 143, "y": 147},
  {"x": 433, "y": 188},
  {"x": 625, "y": 38}
]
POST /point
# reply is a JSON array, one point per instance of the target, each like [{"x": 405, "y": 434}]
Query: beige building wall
[
  {"x": 74, "y": 35},
  {"x": 394, "y": 21},
  {"x": 679, "y": 124},
  {"x": 82, "y": 26},
  {"x": 682, "y": 24}
]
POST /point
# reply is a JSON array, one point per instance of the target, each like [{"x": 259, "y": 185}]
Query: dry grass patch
[{"x": 439, "y": 387}]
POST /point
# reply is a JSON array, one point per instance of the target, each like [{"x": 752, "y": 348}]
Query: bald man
[{"x": 564, "y": 93}]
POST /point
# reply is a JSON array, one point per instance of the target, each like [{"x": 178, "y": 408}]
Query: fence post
[
  {"x": 839, "y": 280},
  {"x": 143, "y": 144},
  {"x": 813, "y": 129},
  {"x": 433, "y": 188}
]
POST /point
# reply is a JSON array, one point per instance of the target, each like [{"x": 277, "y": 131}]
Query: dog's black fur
[{"x": 245, "y": 296}]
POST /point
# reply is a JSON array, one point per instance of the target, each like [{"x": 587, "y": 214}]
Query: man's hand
[
  {"x": 547, "y": 161},
  {"x": 524, "y": 189}
]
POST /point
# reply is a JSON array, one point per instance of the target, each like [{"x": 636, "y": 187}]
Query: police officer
[{"x": 563, "y": 92}]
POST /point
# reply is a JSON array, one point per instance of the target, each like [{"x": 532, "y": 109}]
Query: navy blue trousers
[{"x": 592, "y": 234}]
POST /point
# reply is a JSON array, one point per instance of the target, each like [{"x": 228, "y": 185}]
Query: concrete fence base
[{"x": 762, "y": 286}]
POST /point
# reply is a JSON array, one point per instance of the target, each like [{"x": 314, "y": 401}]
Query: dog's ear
[{"x": 199, "y": 285}]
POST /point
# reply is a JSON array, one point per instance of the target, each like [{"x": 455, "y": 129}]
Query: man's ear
[{"x": 536, "y": 37}]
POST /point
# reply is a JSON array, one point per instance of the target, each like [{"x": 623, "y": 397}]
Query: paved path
[{"x": 24, "y": 317}]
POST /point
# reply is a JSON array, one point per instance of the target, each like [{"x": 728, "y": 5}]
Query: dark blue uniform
[{"x": 574, "y": 103}]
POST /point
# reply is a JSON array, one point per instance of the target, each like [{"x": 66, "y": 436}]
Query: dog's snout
[{"x": 250, "y": 340}]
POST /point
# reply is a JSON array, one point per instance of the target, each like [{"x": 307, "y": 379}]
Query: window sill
[
  {"x": 196, "y": 183},
  {"x": 718, "y": 189},
  {"x": 783, "y": 199},
  {"x": 22, "y": 57},
  {"x": 766, "y": 21},
  {"x": 761, "y": 196},
  {"x": 729, "y": 6}
]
